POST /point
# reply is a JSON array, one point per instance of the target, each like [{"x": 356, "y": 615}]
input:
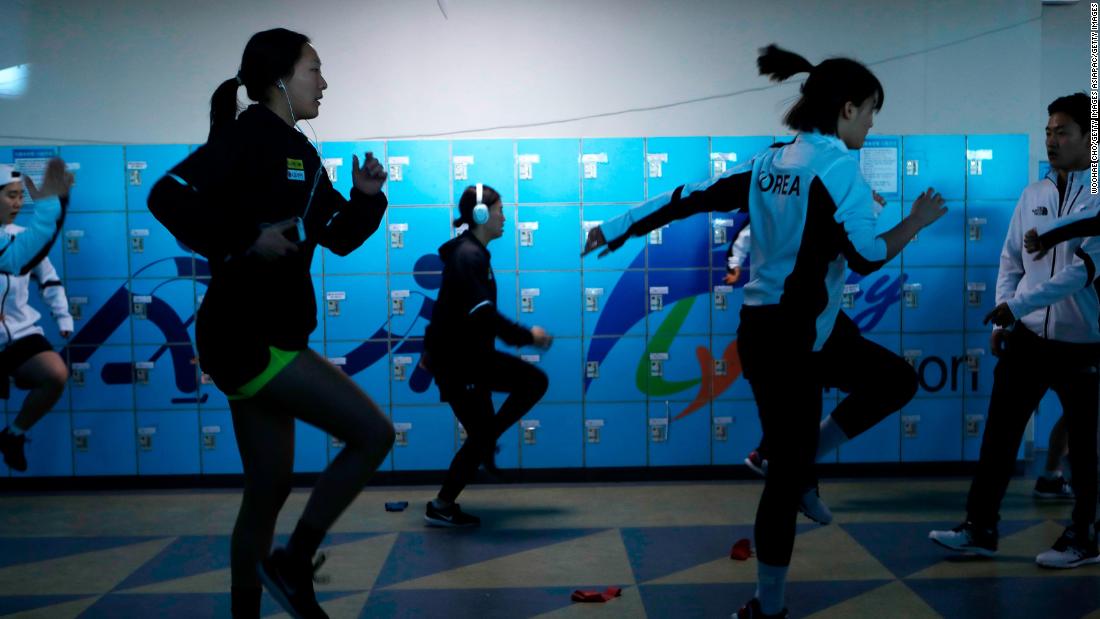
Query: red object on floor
[
  {"x": 742, "y": 550},
  {"x": 596, "y": 597}
]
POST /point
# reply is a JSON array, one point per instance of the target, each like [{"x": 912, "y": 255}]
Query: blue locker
[
  {"x": 490, "y": 162},
  {"x": 145, "y": 165},
  {"x": 940, "y": 244},
  {"x": 725, "y": 301},
  {"x": 874, "y": 301},
  {"x": 614, "y": 302},
  {"x": 549, "y": 237},
  {"x": 154, "y": 252},
  {"x": 1048, "y": 414},
  {"x": 889, "y": 341},
  {"x": 509, "y": 442},
  {"x": 16, "y": 396},
  {"x": 552, "y": 436},
  {"x": 683, "y": 244},
  {"x": 940, "y": 362},
  {"x": 168, "y": 442},
  {"x": 986, "y": 228},
  {"x": 49, "y": 447},
  {"x": 405, "y": 385},
  {"x": 729, "y": 152},
  {"x": 410, "y": 302},
  {"x": 550, "y": 300},
  {"x": 218, "y": 443},
  {"x": 317, "y": 337},
  {"x": 100, "y": 178},
  {"x": 829, "y": 401},
  {"x": 733, "y": 386},
  {"x": 615, "y": 434},
  {"x": 47, "y": 321},
  {"x": 880, "y": 162},
  {"x": 368, "y": 364},
  {"x": 310, "y": 448},
  {"x": 507, "y": 295},
  {"x": 996, "y": 166},
  {"x": 932, "y": 299},
  {"x": 95, "y": 245},
  {"x": 210, "y": 397},
  {"x": 426, "y": 437},
  {"x": 980, "y": 290},
  {"x": 879, "y": 444},
  {"x": 976, "y": 373},
  {"x": 162, "y": 311},
  {"x": 735, "y": 431},
  {"x": 419, "y": 172},
  {"x": 370, "y": 257},
  {"x": 975, "y": 411},
  {"x": 931, "y": 430},
  {"x": 612, "y": 169},
  {"x": 166, "y": 377},
  {"x": 101, "y": 378},
  {"x": 672, "y": 368},
  {"x": 679, "y": 296},
  {"x": 610, "y": 368},
  {"x": 936, "y": 161},
  {"x": 678, "y": 441},
  {"x": 104, "y": 443},
  {"x": 630, "y": 256},
  {"x": 548, "y": 171},
  {"x": 355, "y": 307},
  {"x": 671, "y": 162},
  {"x": 890, "y": 216},
  {"x": 562, "y": 364},
  {"x": 416, "y": 232},
  {"x": 503, "y": 251}
]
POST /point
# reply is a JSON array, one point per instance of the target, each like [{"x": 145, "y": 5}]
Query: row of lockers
[
  {"x": 570, "y": 170},
  {"x": 537, "y": 238},
  {"x": 624, "y": 434}
]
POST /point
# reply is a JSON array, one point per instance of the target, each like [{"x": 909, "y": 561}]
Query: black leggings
[
  {"x": 525, "y": 385},
  {"x": 1029, "y": 367},
  {"x": 786, "y": 379}
]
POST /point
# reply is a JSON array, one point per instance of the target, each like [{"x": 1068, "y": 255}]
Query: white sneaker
[
  {"x": 967, "y": 538},
  {"x": 1073, "y": 549},
  {"x": 814, "y": 508}
]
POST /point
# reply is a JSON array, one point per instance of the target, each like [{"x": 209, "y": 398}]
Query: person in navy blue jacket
[{"x": 812, "y": 217}]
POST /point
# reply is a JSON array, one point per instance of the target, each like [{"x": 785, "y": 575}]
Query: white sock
[
  {"x": 830, "y": 436},
  {"x": 771, "y": 583},
  {"x": 15, "y": 430}
]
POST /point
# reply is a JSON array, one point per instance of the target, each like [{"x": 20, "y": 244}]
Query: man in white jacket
[
  {"x": 1047, "y": 336},
  {"x": 25, "y": 354}
]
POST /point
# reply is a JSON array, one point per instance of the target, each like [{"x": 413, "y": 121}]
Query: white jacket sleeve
[
  {"x": 1012, "y": 263},
  {"x": 740, "y": 248},
  {"x": 19, "y": 253},
  {"x": 1079, "y": 273},
  {"x": 53, "y": 293}
]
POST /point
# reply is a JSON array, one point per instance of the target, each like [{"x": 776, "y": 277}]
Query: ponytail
[
  {"x": 224, "y": 106},
  {"x": 779, "y": 64}
]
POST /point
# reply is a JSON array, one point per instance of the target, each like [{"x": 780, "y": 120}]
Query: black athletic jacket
[
  {"x": 258, "y": 171},
  {"x": 461, "y": 338}
]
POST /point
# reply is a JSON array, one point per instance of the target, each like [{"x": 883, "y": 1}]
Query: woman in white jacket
[{"x": 25, "y": 354}]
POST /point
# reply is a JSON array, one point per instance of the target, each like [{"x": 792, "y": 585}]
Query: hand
[
  {"x": 881, "y": 201},
  {"x": 1034, "y": 245},
  {"x": 1000, "y": 316},
  {"x": 998, "y": 341},
  {"x": 927, "y": 208},
  {"x": 732, "y": 275},
  {"x": 273, "y": 242},
  {"x": 57, "y": 181},
  {"x": 543, "y": 339},
  {"x": 369, "y": 178},
  {"x": 595, "y": 241}
]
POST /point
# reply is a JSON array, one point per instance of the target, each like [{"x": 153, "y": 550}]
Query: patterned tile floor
[{"x": 165, "y": 554}]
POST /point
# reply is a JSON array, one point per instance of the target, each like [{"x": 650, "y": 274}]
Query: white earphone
[{"x": 481, "y": 212}]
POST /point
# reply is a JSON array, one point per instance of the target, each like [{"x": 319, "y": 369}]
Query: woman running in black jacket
[
  {"x": 461, "y": 352},
  {"x": 255, "y": 201}
]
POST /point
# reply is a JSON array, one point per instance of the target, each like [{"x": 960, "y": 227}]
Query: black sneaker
[
  {"x": 290, "y": 581},
  {"x": 1076, "y": 547},
  {"x": 751, "y": 610},
  {"x": 12, "y": 448},
  {"x": 450, "y": 516},
  {"x": 1057, "y": 488},
  {"x": 968, "y": 537}
]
